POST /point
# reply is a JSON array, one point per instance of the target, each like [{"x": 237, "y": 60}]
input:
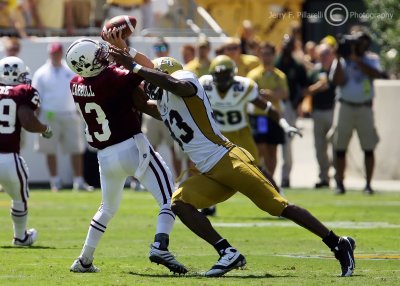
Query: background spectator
[
  {"x": 188, "y": 52},
  {"x": 297, "y": 80},
  {"x": 81, "y": 11},
  {"x": 58, "y": 110},
  {"x": 244, "y": 63},
  {"x": 12, "y": 46},
  {"x": 248, "y": 38},
  {"x": 11, "y": 17},
  {"x": 353, "y": 72},
  {"x": 200, "y": 64},
  {"x": 50, "y": 14},
  {"x": 274, "y": 88},
  {"x": 140, "y": 9},
  {"x": 310, "y": 55},
  {"x": 99, "y": 13},
  {"x": 322, "y": 91}
]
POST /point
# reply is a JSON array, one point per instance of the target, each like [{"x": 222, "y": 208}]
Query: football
[{"x": 123, "y": 23}]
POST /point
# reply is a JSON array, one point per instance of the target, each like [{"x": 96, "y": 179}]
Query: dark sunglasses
[{"x": 160, "y": 48}]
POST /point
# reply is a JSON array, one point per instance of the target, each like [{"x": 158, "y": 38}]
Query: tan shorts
[
  {"x": 348, "y": 118},
  {"x": 156, "y": 132},
  {"x": 235, "y": 172},
  {"x": 67, "y": 130}
]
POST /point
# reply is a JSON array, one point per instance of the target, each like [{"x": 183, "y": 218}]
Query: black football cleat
[
  {"x": 344, "y": 252},
  {"x": 164, "y": 257}
]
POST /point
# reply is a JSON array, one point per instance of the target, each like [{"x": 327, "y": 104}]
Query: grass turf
[{"x": 277, "y": 251}]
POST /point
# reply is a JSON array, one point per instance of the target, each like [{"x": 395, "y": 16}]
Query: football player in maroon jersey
[
  {"x": 18, "y": 101},
  {"x": 107, "y": 98}
]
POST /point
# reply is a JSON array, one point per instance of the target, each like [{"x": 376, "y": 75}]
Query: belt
[
  {"x": 126, "y": 8},
  {"x": 356, "y": 104}
]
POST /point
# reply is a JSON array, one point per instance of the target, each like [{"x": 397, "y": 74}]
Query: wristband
[
  {"x": 133, "y": 52},
  {"x": 268, "y": 108},
  {"x": 136, "y": 67}
]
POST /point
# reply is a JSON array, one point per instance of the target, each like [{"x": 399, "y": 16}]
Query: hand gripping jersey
[
  {"x": 230, "y": 109},
  {"x": 191, "y": 124},
  {"x": 11, "y": 98},
  {"x": 105, "y": 103}
]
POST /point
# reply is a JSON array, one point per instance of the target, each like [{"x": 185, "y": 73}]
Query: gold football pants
[{"x": 235, "y": 172}]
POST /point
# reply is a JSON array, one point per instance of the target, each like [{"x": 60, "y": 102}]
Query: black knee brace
[
  {"x": 368, "y": 153},
  {"x": 340, "y": 153}
]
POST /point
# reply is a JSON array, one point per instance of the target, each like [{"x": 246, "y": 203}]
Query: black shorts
[{"x": 266, "y": 130}]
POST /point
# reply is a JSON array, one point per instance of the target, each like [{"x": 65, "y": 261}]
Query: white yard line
[{"x": 332, "y": 224}]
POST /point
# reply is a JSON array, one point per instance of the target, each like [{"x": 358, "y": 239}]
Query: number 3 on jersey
[
  {"x": 96, "y": 110},
  {"x": 187, "y": 136}
]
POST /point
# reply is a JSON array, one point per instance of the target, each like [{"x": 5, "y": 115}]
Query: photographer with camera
[{"x": 352, "y": 72}]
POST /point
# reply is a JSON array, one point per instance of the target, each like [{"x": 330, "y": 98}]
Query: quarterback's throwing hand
[{"x": 121, "y": 57}]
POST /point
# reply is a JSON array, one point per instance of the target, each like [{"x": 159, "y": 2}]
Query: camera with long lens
[{"x": 347, "y": 44}]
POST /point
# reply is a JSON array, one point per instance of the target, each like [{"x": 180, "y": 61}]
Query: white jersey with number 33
[{"x": 191, "y": 124}]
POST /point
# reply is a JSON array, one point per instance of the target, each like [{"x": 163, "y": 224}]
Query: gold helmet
[
  {"x": 167, "y": 65},
  {"x": 223, "y": 70},
  {"x": 222, "y": 63}
]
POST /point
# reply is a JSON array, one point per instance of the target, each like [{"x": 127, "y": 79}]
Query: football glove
[
  {"x": 48, "y": 133},
  {"x": 289, "y": 130},
  {"x": 152, "y": 91}
]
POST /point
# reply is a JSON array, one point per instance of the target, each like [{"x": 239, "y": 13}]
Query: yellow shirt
[
  {"x": 197, "y": 67},
  {"x": 125, "y": 3},
  {"x": 7, "y": 12},
  {"x": 269, "y": 80},
  {"x": 246, "y": 63},
  {"x": 51, "y": 13}
]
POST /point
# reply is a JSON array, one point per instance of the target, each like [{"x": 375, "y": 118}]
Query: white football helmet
[
  {"x": 13, "y": 71},
  {"x": 87, "y": 58}
]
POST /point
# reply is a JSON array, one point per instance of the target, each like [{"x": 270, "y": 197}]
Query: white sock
[
  {"x": 19, "y": 216},
  {"x": 78, "y": 180},
  {"x": 87, "y": 254},
  {"x": 54, "y": 179},
  {"x": 97, "y": 228},
  {"x": 165, "y": 220}
]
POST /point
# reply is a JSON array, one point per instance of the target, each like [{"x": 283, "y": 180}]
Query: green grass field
[{"x": 277, "y": 251}]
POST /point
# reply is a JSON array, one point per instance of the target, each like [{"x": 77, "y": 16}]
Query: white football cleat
[
  {"x": 229, "y": 260},
  {"x": 79, "y": 267},
  {"x": 82, "y": 186},
  {"x": 165, "y": 258},
  {"x": 31, "y": 236}
]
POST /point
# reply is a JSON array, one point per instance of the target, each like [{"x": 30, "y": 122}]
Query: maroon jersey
[
  {"x": 105, "y": 103},
  {"x": 11, "y": 98}
]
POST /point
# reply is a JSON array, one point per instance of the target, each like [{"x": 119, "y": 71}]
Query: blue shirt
[{"x": 358, "y": 87}]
